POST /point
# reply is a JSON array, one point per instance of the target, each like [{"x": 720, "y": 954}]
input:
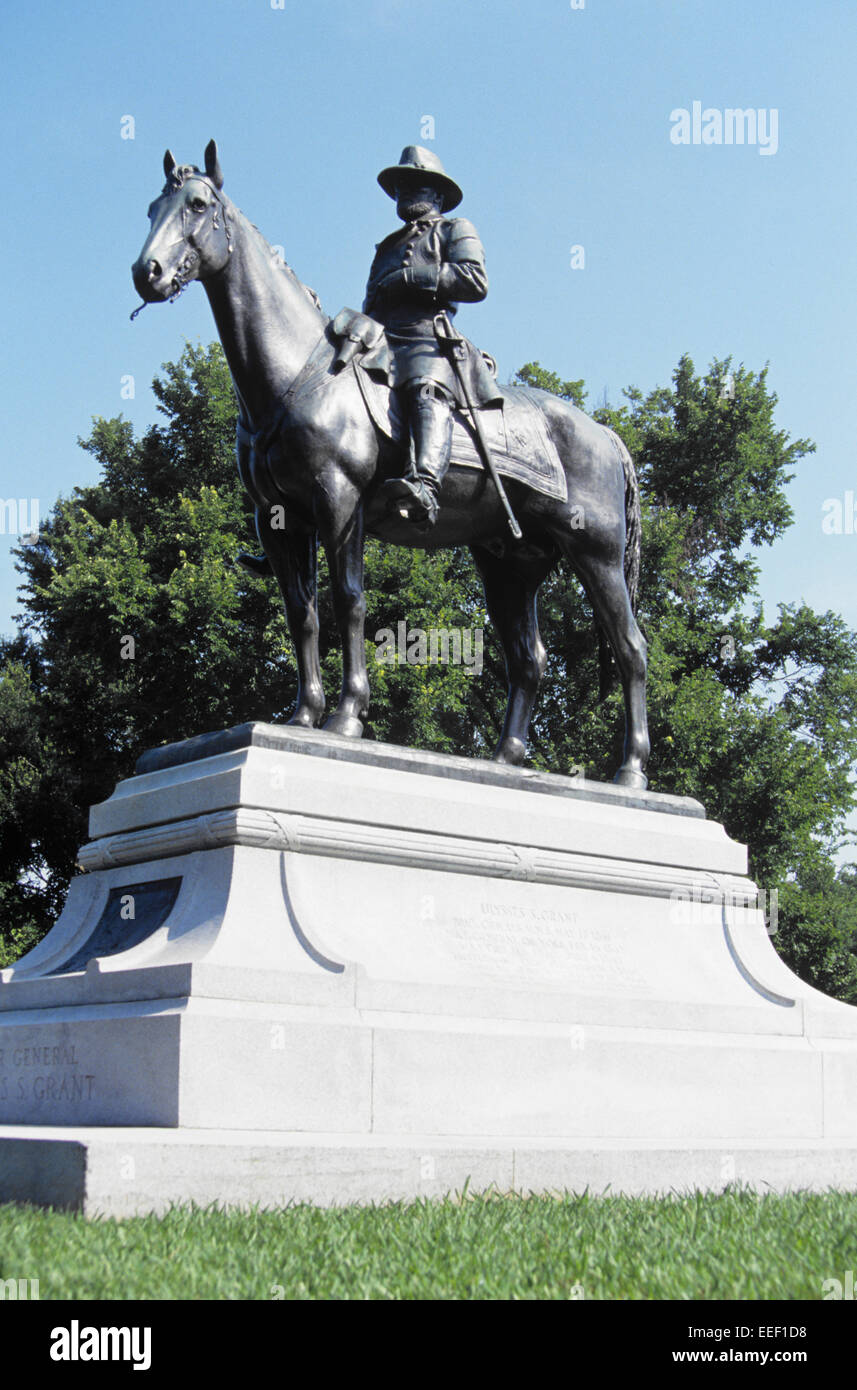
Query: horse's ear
[
  {"x": 169, "y": 163},
  {"x": 212, "y": 165}
]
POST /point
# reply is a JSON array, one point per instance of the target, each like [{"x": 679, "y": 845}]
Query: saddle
[{"x": 514, "y": 425}]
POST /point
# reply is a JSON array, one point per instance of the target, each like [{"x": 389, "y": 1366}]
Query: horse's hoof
[
  {"x": 512, "y": 751},
  {"x": 344, "y": 724},
  {"x": 627, "y": 777},
  {"x": 304, "y": 719}
]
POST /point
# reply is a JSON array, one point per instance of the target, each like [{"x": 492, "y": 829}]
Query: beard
[{"x": 410, "y": 208}]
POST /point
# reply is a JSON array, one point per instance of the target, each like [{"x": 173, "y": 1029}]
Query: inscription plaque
[
  {"x": 537, "y": 943},
  {"x": 43, "y": 1074}
]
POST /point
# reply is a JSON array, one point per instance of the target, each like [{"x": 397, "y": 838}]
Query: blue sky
[{"x": 556, "y": 122}]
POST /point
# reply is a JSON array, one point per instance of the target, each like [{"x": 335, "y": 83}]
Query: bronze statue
[{"x": 319, "y": 442}]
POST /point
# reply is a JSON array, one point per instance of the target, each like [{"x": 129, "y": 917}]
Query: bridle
[
  {"x": 218, "y": 198},
  {"x": 182, "y": 278}
]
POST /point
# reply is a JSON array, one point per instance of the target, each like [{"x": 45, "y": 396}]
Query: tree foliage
[{"x": 137, "y": 628}]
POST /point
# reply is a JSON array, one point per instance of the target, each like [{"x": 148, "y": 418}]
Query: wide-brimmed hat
[{"x": 416, "y": 160}]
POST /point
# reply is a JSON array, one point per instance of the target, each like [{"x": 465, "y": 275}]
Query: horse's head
[{"x": 190, "y": 237}]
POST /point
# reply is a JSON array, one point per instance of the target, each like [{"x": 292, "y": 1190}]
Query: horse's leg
[
  {"x": 292, "y": 555},
  {"x": 339, "y": 512},
  {"x": 605, "y": 585},
  {"x": 511, "y": 594}
]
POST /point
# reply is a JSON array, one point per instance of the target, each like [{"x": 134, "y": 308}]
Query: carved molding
[{"x": 263, "y": 829}]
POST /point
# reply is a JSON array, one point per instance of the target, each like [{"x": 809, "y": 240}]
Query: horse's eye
[{"x": 198, "y": 204}]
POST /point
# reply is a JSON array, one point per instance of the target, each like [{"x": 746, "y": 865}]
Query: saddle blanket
[{"x": 516, "y": 432}]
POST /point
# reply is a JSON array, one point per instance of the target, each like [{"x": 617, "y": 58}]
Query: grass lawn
[{"x": 734, "y": 1244}]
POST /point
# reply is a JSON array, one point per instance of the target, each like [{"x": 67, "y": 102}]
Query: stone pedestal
[{"x": 303, "y": 968}]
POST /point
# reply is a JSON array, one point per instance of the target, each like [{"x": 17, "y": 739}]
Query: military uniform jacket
[{"x": 425, "y": 267}]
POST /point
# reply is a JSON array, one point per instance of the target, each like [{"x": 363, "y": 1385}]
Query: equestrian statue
[{"x": 388, "y": 422}]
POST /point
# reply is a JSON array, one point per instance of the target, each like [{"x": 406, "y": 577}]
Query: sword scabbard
[{"x": 447, "y": 335}]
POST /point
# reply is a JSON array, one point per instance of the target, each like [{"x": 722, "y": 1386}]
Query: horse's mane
[{"x": 175, "y": 181}]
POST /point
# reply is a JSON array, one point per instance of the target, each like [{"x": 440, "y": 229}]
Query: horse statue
[{"x": 309, "y": 447}]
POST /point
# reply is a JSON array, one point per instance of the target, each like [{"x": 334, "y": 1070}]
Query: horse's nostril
[{"x": 153, "y": 270}]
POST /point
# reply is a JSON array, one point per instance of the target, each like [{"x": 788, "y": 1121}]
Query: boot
[{"x": 431, "y": 432}]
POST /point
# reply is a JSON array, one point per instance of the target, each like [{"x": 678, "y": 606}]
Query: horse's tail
[{"x": 633, "y": 534}]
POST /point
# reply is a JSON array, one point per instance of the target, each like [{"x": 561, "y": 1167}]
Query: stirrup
[
  {"x": 418, "y": 500},
  {"x": 399, "y": 487}
]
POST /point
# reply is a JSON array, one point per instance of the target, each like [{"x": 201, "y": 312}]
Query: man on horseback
[
  {"x": 310, "y": 442},
  {"x": 428, "y": 267}
]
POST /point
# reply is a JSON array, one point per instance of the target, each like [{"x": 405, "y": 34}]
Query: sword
[{"x": 447, "y": 336}]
